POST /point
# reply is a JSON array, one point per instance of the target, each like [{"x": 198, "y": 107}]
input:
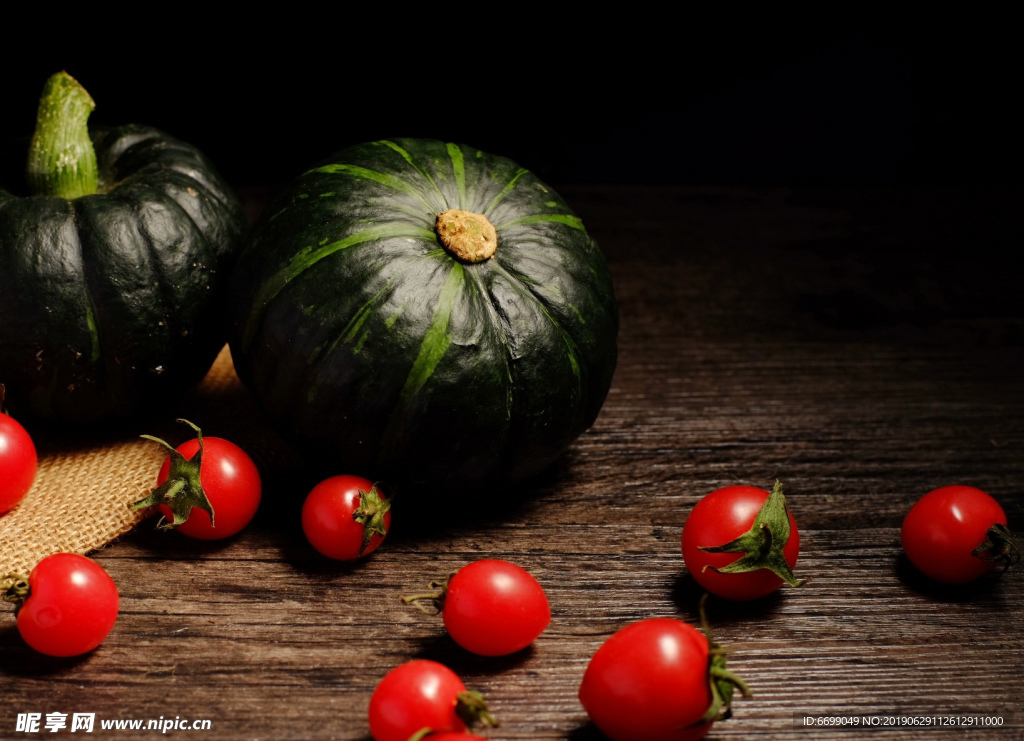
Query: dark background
[
  {"x": 856, "y": 332},
  {"x": 623, "y": 97}
]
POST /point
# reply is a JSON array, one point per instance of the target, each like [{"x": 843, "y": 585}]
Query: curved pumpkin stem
[{"x": 61, "y": 158}]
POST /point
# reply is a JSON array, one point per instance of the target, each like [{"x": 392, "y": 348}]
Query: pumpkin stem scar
[{"x": 467, "y": 236}]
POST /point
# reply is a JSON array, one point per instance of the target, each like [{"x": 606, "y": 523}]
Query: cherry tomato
[
  {"x": 71, "y": 606},
  {"x": 18, "y": 462},
  {"x": 345, "y": 517},
  {"x": 945, "y": 526},
  {"x": 422, "y": 694},
  {"x": 720, "y": 518},
  {"x": 231, "y": 483},
  {"x": 494, "y": 608},
  {"x": 490, "y": 607},
  {"x": 650, "y": 682}
]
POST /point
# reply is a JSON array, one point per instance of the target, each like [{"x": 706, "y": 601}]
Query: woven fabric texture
[{"x": 80, "y": 500}]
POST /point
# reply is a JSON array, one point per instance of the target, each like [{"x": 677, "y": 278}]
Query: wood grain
[{"x": 862, "y": 346}]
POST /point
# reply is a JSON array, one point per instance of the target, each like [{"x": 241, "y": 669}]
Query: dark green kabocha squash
[
  {"x": 111, "y": 267},
  {"x": 425, "y": 313}
]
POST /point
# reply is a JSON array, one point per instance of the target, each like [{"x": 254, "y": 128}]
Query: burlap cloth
[{"x": 80, "y": 499}]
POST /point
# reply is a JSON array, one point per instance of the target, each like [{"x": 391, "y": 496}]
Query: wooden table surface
[{"x": 864, "y": 346}]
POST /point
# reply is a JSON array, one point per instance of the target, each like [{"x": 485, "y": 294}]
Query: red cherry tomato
[
  {"x": 719, "y": 518},
  {"x": 649, "y": 682},
  {"x": 943, "y": 528},
  {"x": 346, "y": 517},
  {"x": 18, "y": 462},
  {"x": 231, "y": 482},
  {"x": 494, "y": 608},
  {"x": 416, "y": 695},
  {"x": 490, "y": 607},
  {"x": 71, "y": 606}
]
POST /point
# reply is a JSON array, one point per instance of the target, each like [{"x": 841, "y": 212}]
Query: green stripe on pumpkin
[
  {"x": 568, "y": 219},
  {"x": 308, "y": 257},
  {"x": 483, "y": 296},
  {"x": 435, "y": 344},
  {"x": 571, "y": 348},
  {"x": 94, "y": 332},
  {"x": 347, "y": 335},
  {"x": 391, "y": 181},
  {"x": 429, "y": 217},
  {"x": 459, "y": 167},
  {"x": 408, "y": 158},
  {"x": 505, "y": 191},
  {"x": 356, "y": 323}
]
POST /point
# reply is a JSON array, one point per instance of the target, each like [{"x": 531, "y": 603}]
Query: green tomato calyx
[
  {"x": 370, "y": 514},
  {"x": 723, "y": 683},
  {"x": 763, "y": 545},
  {"x": 1000, "y": 546},
  {"x": 14, "y": 588},
  {"x": 183, "y": 489},
  {"x": 471, "y": 707},
  {"x": 467, "y": 236}
]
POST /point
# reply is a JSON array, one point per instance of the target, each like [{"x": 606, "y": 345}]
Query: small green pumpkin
[
  {"x": 111, "y": 270},
  {"x": 426, "y": 313}
]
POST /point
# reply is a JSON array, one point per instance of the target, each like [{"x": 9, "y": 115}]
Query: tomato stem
[
  {"x": 764, "y": 544},
  {"x": 431, "y": 603},
  {"x": 722, "y": 682},
  {"x": 1000, "y": 546},
  {"x": 15, "y": 588},
  {"x": 471, "y": 707},
  {"x": 183, "y": 488}
]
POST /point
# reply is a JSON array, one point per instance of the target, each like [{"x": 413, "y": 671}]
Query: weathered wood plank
[{"x": 740, "y": 362}]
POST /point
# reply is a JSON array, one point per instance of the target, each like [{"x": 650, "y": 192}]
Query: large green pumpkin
[
  {"x": 395, "y": 352},
  {"x": 110, "y": 293}
]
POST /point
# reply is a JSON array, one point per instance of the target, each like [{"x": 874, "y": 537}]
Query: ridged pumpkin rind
[
  {"x": 372, "y": 346},
  {"x": 110, "y": 303}
]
